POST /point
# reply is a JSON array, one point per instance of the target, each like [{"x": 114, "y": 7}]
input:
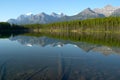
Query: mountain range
[{"x": 87, "y": 13}]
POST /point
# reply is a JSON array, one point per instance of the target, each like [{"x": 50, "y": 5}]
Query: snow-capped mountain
[
  {"x": 107, "y": 10},
  {"x": 38, "y": 18},
  {"x": 57, "y": 15},
  {"x": 43, "y": 18}
]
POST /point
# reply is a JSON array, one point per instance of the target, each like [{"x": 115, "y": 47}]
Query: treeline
[
  {"x": 107, "y": 24},
  {"x": 6, "y": 27}
]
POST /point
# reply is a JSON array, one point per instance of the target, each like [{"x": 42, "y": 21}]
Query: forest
[
  {"x": 6, "y": 27},
  {"x": 108, "y": 24}
]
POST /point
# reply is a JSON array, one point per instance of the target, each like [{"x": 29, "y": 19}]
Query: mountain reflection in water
[
  {"x": 46, "y": 41},
  {"x": 44, "y": 58}
]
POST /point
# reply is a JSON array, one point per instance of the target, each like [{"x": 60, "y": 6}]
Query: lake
[{"x": 24, "y": 57}]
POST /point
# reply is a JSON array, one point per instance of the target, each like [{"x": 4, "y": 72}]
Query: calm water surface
[{"x": 44, "y": 58}]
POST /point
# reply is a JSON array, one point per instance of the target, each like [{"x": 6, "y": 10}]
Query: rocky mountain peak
[
  {"x": 107, "y": 10},
  {"x": 42, "y": 13},
  {"x": 108, "y": 6},
  {"x": 57, "y": 15},
  {"x": 62, "y": 14},
  {"x": 53, "y": 13},
  {"x": 88, "y": 10}
]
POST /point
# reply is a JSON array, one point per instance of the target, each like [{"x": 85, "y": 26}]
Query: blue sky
[{"x": 14, "y": 8}]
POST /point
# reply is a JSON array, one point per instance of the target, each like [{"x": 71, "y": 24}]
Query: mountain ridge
[{"x": 88, "y": 13}]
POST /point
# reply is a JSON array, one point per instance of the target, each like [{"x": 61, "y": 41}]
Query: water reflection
[
  {"x": 46, "y": 41},
  {"x": 44, "y": 58}
]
